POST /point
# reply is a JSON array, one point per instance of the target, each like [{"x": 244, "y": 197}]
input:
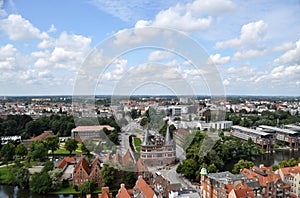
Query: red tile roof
[
  {"x": 123, "y": 193},
  {"x": 42, "y": 136},
  {"x": 144, "y": 188},
  {"x": 65, "y": 161},
  {"x": 127, "y": 157}
]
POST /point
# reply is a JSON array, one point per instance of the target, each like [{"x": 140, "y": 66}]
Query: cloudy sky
[{"x": 254, "y": 46}]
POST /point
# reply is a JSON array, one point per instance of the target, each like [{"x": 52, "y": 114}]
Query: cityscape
[{"x": 150, "y": 99}]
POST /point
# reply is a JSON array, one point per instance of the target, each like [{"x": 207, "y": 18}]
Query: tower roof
[
  {"x": 146, "y": 140},
  {"x": 168, "y": 139}
]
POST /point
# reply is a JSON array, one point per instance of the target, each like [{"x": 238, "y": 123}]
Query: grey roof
[
  {"x": 225, "y": 177},
  {"x": 146, "y": 139},
  {"x": 286, "y": 131},
  {"x": 252, "y": 131}
]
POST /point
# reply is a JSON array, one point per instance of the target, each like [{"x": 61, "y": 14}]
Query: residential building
[
  {"x": 291, "y": 176},
  {"x": 123, "y": 192},
  {"x": 105, "y": 193},
  {"x": 271, "y": 184},
  {"x": 142, "y": 189}
]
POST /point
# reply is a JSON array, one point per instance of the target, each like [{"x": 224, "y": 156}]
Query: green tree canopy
[
  {"x": 40, "y": 183},
  {"x": 52, "y": 143},
  {"x": 241, "y": 165},
  {"x": 71, "y": 145},
  {"x": 21, "y": 150},
  {"x": 7, "y": 152},
  {"x": 87, "y": 187}
]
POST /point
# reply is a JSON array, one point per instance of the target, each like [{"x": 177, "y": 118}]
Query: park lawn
[
  {"x": 4, "y": 172},
  {"x": 63, "y": 151},
  {"x": 137, "y": 142}
]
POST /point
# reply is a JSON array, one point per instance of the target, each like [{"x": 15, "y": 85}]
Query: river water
[{"x": 267, "y": 160}]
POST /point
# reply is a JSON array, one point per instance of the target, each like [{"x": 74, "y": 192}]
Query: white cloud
[
  {"x": 248, "y": 54},
  {"x": 7, "y": 57},
  {"x": 217, "y": 59},
  {"x": 195, "y": 16},
  {"x": 226, "y": 82},
  {"x": 18, "y": 28},
  {"x": 284, "y": 47},
  {"x": 66, "y": 52},
  {"x": 52, "y": 28},
  {"x": 292, "y": 56},
  {"x": 250, "y": 34},
  {"x": 180, "y": 18},
  {"x": 159, "y": 55},
  {"x": 118, "y": 70}
]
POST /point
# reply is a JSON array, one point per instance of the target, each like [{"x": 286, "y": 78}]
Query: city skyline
[{"x": 255, "y": 45}]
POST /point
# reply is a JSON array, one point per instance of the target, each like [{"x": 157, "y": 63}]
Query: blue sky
[{"x": 254, "y": 45}]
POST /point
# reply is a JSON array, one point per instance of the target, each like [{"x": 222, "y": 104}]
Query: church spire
[
  {"x": 168, "y": 139},
  {"x": 145, "y": 142}
]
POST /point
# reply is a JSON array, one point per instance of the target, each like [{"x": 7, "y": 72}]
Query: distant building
[
  {"x": 6, "y": 139},
  {"x": 84, "y": 132},
  {"x": 158, "y": 151},
  {"x": 266, "y": 140}
]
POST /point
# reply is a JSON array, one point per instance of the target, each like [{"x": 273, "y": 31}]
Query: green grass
[
  {"x": 63, "y": 151},
  {"x": 4, "y": 172},
  {"x": 137, "y": 142}
]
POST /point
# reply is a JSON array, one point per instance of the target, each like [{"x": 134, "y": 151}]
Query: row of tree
[
  {"x": 205, "y": 152},
  {"x": 278, "y": 117}
]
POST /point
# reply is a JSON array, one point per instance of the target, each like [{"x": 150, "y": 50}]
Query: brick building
[{"x": 158, "y": 151}]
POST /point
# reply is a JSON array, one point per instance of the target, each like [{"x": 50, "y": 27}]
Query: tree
[
  {"x": 22, "y": 177},
  {"x": 7, "y": 152},
  {"x": 241, "y": 165},
  {"x": 37, "y": 151},
  {"x": 52, "y": 143},
  {"x": 84, "y": 149},
  {"x": 108, "y": 175},
  {"x": 40, "y": 183},
  {"x": 54, "y": 176},
  {"x": 212, "y": 168},
  {"x": 71, "y": 145},
  {"x": 21, "y": 150},
  {"x": 87, "y": 187},
  {"x": 48, "y": 166}
]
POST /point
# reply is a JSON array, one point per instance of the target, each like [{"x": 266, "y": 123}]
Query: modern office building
[{"x": 266, "y": 140}]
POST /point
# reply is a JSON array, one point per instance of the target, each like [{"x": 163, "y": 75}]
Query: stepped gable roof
[
  {"x": 143, "y": 187},
  {"x": 84, "y": 164},
  {"x": 105, "y": 193},
  {"x": 123, "y": 193},
  {"x": 65, "y": 161},
  {"x": 42, "y": 136},
  {"x": 127, "y": 157}
]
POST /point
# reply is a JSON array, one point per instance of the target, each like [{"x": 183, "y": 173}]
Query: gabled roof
[
  {"x": 123, "y": 193},
  {"x": 141, "y": 166},
  {"x": 144, "y": 188},
  {"x": 84, "y": 164},
  {"x": 96, "y": 161},
  {"x": 42, "y": 136},
  {"x": 118, "y": 158},
  {"x": 65, "y": 161},
  {"x": 289, "y": 170},
  {"x": 127, "y": 157}
]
